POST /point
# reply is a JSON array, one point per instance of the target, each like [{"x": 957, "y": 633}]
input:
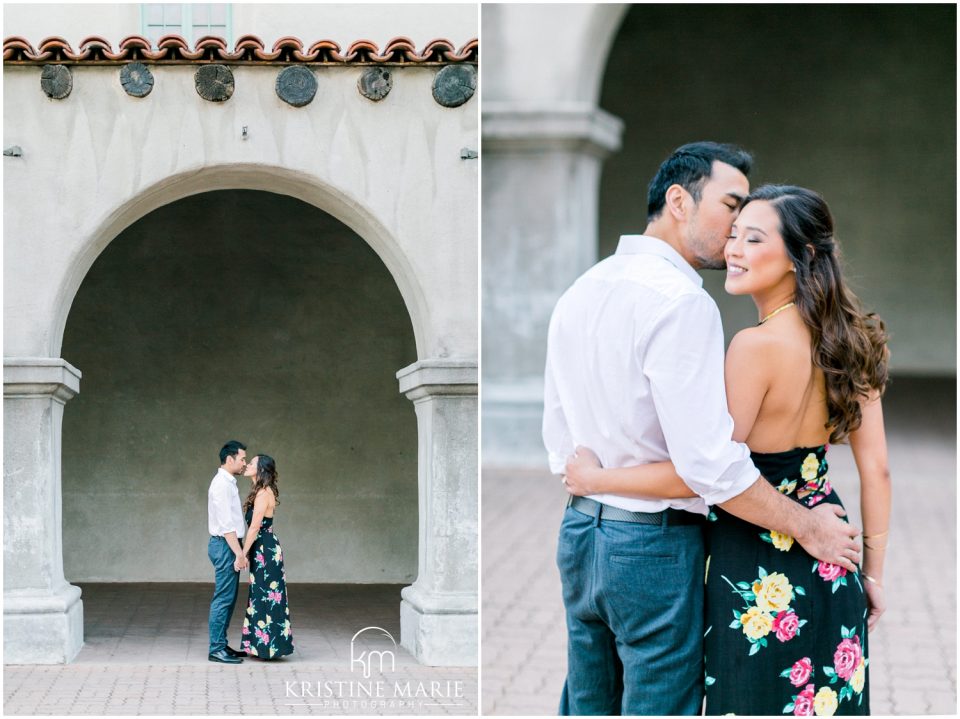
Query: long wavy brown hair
[
  {"x": 849, "y": 344},
  {"x": 266, "y": 478}
]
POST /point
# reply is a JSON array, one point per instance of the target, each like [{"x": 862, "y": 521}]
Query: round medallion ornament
[
  {"x": 214, "y": 83},
  {"x": 454, "y": 85},
  {"x": 375, "y": 83},
  {"x": 296, "y": 85},
  {"x": 56, "y": 81},
  {"x": 136, "y": 79}
]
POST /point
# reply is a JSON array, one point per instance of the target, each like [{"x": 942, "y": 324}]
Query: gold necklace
[{"x": 775, "y": 312}]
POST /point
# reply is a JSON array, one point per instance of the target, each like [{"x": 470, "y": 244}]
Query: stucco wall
[
  {"x": 563, "y": 48},
  {"x": 98, "y": 160},
  {"x": 247, "y": 315},
  {"x": 343, "y": 23},
  {"x": 858, "y": 102}
]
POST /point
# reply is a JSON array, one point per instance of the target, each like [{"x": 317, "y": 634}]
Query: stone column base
[
  {"x": 42, "y": 628},
  {"x": 439, "y": 634}
]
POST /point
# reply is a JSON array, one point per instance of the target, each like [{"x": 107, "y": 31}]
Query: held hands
[
  {"x": 241, "y": 562},
  {"x": 830, "y": 539},
  {"x": 581, "y": 472}
]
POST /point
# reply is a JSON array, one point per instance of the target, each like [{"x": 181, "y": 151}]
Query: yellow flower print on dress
[
  {"x": 787, "y": 486},
  {"x": 756, "y": 624},
  {"x": 825, "y": 702},
  {"x": 774, "y": 593},
  {"x": 783, "y": 542},
  {"x": 859, "y": 677},
  {"x": 810, "y": 468}
]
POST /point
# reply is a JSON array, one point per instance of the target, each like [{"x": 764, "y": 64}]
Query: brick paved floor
[
  {"x": 913, "y": 650},
  {"x": 145, "y": 652}
]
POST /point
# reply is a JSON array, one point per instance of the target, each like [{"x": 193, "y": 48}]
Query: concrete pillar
[
  {"x": 438, "y": 612},
  {"x": 42, "y": 613},
  {"x": 541, "y": 187}
]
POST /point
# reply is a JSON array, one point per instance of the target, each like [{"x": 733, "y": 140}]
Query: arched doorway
[
  {"x": 437, "y": 611},
  {"x": 251, "y": 315}
]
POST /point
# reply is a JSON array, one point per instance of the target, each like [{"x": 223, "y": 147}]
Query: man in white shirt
[
  {"x": 635, "y": 372},
  {"x": 226, "y": 525}
]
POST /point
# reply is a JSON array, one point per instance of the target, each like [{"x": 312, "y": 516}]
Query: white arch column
[
  {"x": 42, "y": 612},
  {"x": 544, "y": 142},
  {"x": 438, "y": 612},
  {"x": 541, "y": 166}
]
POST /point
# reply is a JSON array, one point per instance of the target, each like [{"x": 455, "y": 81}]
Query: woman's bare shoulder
[
  {"x": 761, "y": 348},
  {"x": 751, "y": 340}
]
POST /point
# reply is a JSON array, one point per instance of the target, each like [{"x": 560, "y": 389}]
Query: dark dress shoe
[
  {"x": 233, "y": 652},
  {"x": 223, "y": 657}
]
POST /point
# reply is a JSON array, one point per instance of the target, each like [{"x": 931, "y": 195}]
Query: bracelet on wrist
[{"x": 871, "y": 579}]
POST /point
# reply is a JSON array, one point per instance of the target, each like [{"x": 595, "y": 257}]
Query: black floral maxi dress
[
  {"x": 785, "y": 634},
  {"x": 266, "y": 626}
]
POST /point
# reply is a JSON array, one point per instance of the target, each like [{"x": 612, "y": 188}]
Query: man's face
[
  {"x": 709, "y": 225},
  {"x": 235, "y": 465}
]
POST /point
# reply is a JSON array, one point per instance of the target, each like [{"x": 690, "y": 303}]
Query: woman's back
[{"x": 793, "y": 411}]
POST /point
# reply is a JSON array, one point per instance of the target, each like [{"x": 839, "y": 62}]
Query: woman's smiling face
[{"x": 756, "y": 255}]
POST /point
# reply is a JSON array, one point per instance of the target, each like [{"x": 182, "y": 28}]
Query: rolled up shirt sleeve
[{"x": 682, "y": 357}]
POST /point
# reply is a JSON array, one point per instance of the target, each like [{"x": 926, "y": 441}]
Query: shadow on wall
[{"x": 247, "y": 315}]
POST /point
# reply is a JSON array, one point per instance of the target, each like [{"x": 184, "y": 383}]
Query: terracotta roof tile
[{"x": 174, "y": 49}]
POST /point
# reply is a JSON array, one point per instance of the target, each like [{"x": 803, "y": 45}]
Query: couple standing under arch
[{"x": 266, "y": 632}]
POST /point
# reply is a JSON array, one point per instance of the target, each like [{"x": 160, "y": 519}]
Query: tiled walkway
[
  {"x": 146, "y": 653},
  {"x": 914, "y": 653}
]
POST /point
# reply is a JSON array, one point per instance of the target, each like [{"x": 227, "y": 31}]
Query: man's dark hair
[
  {"x": 690, "y": 167},
  {"x": 230, "y": 449}
]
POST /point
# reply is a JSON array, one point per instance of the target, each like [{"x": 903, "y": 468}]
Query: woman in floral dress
[
  {"x": 266, "y": 626},
  {"x": 785, "y": 633}
]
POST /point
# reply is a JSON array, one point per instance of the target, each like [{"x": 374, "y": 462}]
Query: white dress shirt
[
  {"x": 223, "y": 506},
  {"x": 635, "y": 372}
]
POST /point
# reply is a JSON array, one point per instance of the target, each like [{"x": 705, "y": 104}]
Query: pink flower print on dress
[
  {"x": 803, "y": 706},
  {"x": 847, "y": 657},
  {"x": 785, "y": 625},
  {"x": 801, "y": 671},
  {"x": 829, "y": 571}
]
